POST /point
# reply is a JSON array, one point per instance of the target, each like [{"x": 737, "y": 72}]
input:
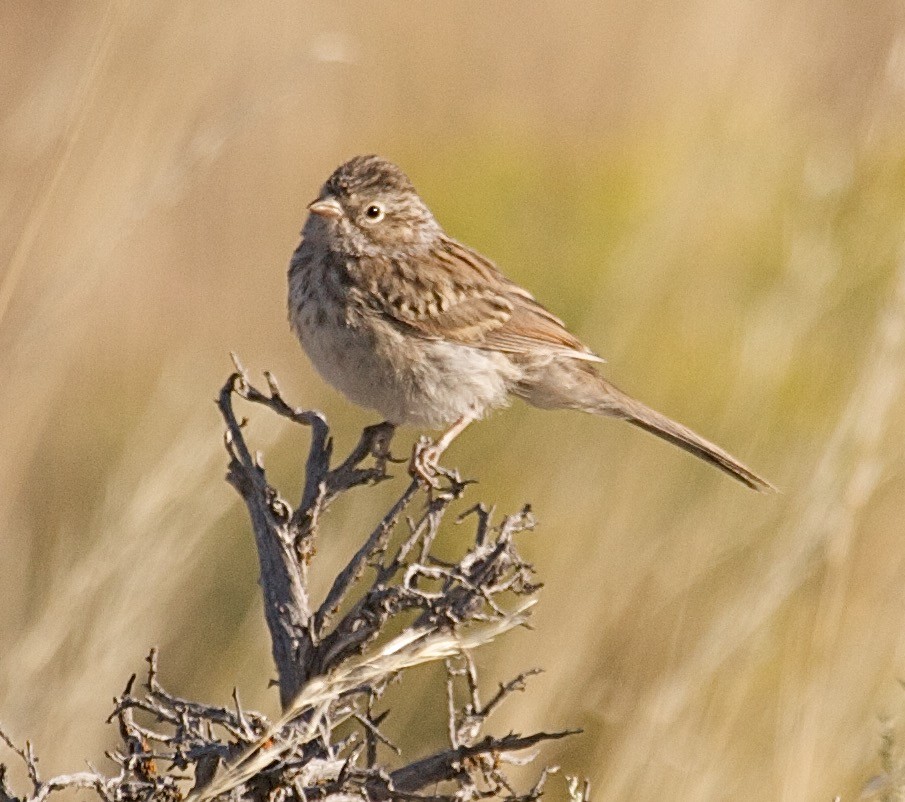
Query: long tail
[{"x": 624, "y": 406}]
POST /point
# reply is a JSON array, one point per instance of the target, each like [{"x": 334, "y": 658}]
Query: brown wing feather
[{"x": 457, "y": 294}]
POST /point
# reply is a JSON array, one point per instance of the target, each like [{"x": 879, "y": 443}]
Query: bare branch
[
  {"x": 404, "y": 608},
  {"x": 373, "y": 546},
  {"x": 286, "y": 603},
  {"x": 446, "y": 765}
]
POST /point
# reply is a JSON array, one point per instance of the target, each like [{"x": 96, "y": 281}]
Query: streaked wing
[{"x": 457, "y": 294}]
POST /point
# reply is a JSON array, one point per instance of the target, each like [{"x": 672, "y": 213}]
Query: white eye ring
[{"x": 374, "y": 212}]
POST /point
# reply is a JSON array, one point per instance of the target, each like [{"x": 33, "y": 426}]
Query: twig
[
  {"x": 333, "y": 669},
  {"x": 444, "y": 765}
]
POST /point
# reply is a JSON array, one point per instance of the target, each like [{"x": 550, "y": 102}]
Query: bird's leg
[{"x": 427, "y": 453}]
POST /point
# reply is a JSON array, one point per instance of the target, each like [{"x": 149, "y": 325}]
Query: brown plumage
[{"x": 406, "y": 320}]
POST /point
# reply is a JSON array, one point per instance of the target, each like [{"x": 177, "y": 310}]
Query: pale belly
[{"x": 407, "y": 380}]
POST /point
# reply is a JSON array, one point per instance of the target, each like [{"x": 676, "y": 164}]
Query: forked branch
[{"x": 336, "y": 657}]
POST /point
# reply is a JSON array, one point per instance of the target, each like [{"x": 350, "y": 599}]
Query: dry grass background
[{"x": 710, "y": 193}]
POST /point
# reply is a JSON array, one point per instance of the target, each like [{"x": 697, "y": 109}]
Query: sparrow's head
[{"x": 368, "y": 206}]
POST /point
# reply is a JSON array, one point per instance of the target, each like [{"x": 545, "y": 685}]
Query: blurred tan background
[{"x": 711, "y": 194}]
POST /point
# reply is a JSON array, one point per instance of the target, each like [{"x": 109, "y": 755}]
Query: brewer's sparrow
[{"x": 404, "y": 319}]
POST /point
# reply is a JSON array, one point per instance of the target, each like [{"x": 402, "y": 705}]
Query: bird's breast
[{"x": 427, "y": 382}]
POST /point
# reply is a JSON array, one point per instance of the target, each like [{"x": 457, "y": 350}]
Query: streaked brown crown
[{"x": 364, "y": 174}]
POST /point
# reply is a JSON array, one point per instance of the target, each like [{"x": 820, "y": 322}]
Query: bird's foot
[
  {"x": 378, "y": 438},
  {"x": 424, "y": 464}
]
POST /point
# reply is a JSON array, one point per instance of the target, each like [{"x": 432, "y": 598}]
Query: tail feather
[
  {"x": 623, "y": 406},
  {"x": 574, "y": 384}
]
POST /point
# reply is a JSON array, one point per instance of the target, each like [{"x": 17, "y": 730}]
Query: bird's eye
[{"x": 374, "y": 213}]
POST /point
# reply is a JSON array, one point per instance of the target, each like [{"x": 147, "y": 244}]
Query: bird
[{"x": 404, "y": 319}]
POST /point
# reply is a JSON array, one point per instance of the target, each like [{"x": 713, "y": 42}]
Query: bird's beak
[{"x": 326, "y": 207}]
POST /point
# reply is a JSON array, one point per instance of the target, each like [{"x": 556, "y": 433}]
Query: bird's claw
[
  {"x": 379, "y": 437},
  {"x": 424, "y": 464}
]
